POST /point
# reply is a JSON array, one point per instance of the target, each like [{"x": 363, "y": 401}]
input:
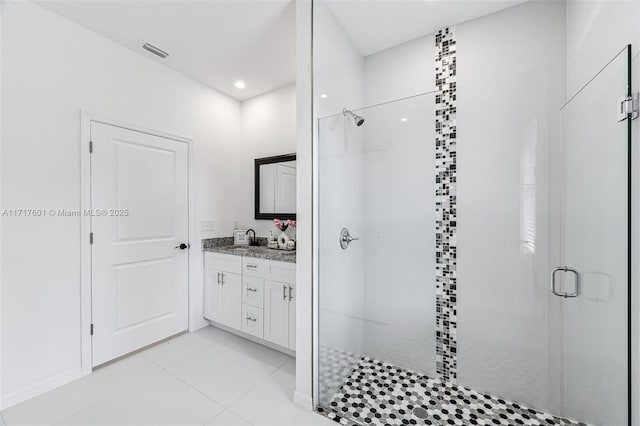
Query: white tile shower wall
[
  {"x": 51, "y": 68},
  {"x": 510, "y": 89},
  {"x": 338, "y": 71},
  {"x": 338, "y": 65},
  {"x": 399, "y": 233},
  {"x": 408, "y": 69},
  {"x": 400, "y": 227},
  {"x": 401, "y": 71},
  {"x": 268, "y": 128}
]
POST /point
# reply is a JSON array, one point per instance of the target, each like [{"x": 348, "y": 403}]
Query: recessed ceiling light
[
  {"x": 323, "y": 96},
  {"x": 403, "y": 119},
  {"x": 240, "y": 84}
]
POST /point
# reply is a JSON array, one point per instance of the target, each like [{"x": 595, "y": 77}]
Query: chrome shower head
[{"x": 356, "y": 118}]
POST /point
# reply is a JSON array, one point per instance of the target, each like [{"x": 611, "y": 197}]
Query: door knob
[{"x": 183, "y": 246}]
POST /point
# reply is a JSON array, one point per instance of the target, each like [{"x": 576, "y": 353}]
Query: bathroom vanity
[{"x": 251, "y": 291}]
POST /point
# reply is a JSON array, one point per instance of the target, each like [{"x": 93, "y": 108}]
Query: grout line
[
  {"x": 238, "y": 415},
  {"x": 197, "y": 390},
  {"x": 155, "y": 363},
  {"x": 260, "y": 382},
  {"x": 112, "y": 394},
  {"x": 217, "y": 415},
  {"x": 232, "y": 412}
]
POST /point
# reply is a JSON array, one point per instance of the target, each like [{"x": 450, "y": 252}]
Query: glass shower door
[
  {"x": 591, "y": 282},
  {"x": 376, "y": 294}
]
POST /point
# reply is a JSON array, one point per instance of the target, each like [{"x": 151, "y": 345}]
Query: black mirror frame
[{"x": 256, "y": 188}]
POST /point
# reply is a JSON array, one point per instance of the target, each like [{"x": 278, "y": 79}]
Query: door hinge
[
  {"x": 90, "y": 147},
  {"x": 629, "y": 106},
  {"x": 91, "y": 238},
  {"x": 91, "y": 329}
]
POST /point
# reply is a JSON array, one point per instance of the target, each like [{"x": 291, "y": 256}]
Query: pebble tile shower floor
[{"x": 379, "y": 393}]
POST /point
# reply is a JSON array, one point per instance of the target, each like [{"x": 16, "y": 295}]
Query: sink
[
  {"x": 282, "y": 251},
  {"x": 240, "y": 249}
]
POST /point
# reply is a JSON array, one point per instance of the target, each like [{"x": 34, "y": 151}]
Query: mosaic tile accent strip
[
  {"x": 379, "y": 393},
  {"x": 446, "y": 322},
  {"x": 446, "y": 280}
]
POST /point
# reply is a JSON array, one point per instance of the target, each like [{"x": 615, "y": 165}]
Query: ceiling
[
  {"x": 218, "y": 42},
  {"x": 215, "y": 42},
  {"x": 377, "y": 25}
]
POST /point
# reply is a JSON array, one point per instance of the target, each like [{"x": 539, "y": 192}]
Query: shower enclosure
[{"x": 475, "y": 270}]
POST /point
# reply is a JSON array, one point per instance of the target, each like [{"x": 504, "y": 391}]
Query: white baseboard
[
  {"x": 303, "y": 401},
  {"x": 198, "y": 325},
  {"x": 254, "y": 339},
  {"x": 31, "y": 391}
]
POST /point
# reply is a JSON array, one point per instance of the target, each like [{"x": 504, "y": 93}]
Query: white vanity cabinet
[
  {"x": 279, "y": 309},
  {"x": 261, "y": 301},
  {"x": 223, "y": 290}
]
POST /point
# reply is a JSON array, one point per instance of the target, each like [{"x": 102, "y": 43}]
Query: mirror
[{"x": 275, "y": 187}]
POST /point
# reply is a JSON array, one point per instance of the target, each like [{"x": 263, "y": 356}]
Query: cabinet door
[
  {"x": 276, "y": 313},
  {"x": 212, "y": 295},
  {"x": 292, "y": 317},
  {"x": 231, "y": 300}
]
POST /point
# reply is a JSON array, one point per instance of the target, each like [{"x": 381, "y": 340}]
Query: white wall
[
  {"x": 51, "y": 69},
  {"x": 268, "y": 129},
  {"x": 303, "y": 394},
  {"x": 338, "y": 73}
]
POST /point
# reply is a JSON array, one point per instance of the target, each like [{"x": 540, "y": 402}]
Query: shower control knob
[{"x": 346, "y": 238}]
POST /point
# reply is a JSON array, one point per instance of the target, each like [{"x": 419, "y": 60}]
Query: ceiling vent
[{"x": 151, "y": 48}]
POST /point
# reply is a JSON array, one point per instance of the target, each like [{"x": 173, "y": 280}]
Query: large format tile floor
[{"x": 209, "y": 377}]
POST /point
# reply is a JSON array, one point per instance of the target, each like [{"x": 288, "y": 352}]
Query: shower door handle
[{"x": 576, "y": 282}]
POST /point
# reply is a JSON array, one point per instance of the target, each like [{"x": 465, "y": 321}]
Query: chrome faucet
[{"x": 253, "y": 241}]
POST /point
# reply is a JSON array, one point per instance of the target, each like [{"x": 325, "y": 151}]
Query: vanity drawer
[
  {"x": 252, "y": 321},
  {"x": 283, "y": 272},
  {"x": 223, "y": 262},
  {"x": 253, "y": 291},
  {"x": 252, "y": 266}
]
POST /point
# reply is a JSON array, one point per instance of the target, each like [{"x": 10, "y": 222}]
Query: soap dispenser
[{"x": 271, "y": 241}]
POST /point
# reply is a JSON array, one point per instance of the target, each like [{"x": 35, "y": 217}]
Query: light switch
[{"x": 207, "y": 225}]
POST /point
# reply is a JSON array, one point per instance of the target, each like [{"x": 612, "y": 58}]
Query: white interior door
[
  {"x": 139, "y": 184},
  {"x": 285, "y": 189}
]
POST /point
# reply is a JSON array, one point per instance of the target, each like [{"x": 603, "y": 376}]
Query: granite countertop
[{"x": 225, "y": 246}]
